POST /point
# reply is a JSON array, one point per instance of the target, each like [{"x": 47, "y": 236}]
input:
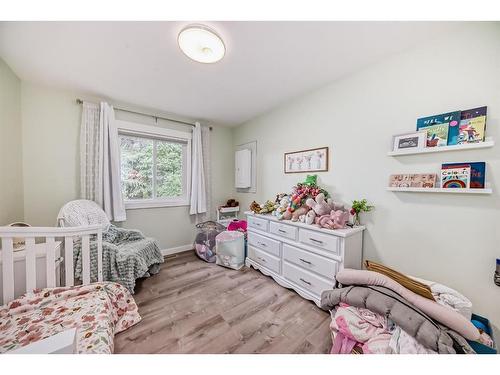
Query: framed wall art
[
  {"x": 312, "y": 160},
  {"x": 409, "y": 141}
]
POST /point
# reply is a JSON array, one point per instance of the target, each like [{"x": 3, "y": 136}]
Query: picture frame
[
  {"x": 409, "y": 141},
  {"x": 306, "y": 161}
]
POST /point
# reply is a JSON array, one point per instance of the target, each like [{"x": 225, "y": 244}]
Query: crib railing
[{"x": 48, "y": 237}]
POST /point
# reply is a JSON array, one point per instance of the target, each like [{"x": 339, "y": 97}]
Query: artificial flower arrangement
[
  {"x": 358, "y": 207},
  {"x": 310, "y": 204}
]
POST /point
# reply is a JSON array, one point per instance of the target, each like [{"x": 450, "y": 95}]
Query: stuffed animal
[
  {"x": 295, "y": 201},
  {"x": 336, "y": 205},
  {"x": 319, "y": 205},
  {"x": 299, "y": 212},
  {"x": 309, "y": 217},
  {"x": 231, "y": 203},
  {"x": 282, "y": 207},
  {"x": 311, "y": 180},
  {"x": 268, "y": 207},
  {"x": 255, "y": 207},
  {"x": 287, "y": 215},
  {"x": 279, "y": 197},
  {"x": 334, "y": 220}
]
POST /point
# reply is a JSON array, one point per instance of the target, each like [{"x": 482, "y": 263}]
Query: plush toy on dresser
[
  {"x": 334, "y": 220},
  {"x": 283, "y": 202},
  {"x": 308, "y": 204}
]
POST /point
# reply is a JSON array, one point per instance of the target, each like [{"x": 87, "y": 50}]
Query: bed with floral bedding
[{"x": 98, "y": 311}]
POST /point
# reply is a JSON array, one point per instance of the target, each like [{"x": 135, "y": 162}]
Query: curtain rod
[{"x": 80, "y": 101}]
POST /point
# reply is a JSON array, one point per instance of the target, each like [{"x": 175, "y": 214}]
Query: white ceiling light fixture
[{"x": 201, "y": 44}]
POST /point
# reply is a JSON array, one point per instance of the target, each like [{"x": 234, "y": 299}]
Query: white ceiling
[{"x": 140, "y": 63}]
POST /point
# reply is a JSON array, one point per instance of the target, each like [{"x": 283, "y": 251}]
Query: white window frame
[{"x": 153, "y": 132}]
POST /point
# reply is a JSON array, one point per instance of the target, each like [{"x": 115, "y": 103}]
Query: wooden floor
[{"x": 196, "y": 307}]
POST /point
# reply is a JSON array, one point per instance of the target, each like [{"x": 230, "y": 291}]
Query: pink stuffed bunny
[
  {"x": 320, "y": 205},
  {"x": 334, "y": 220}
]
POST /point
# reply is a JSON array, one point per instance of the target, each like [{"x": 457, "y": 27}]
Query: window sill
[{"x": 130, "y": 205}]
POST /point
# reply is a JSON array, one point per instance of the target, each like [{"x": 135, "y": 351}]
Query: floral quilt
[{"x": 98, "y": 311}]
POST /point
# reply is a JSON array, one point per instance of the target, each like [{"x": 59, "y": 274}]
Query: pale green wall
[
  {"x": 11, "y": 168},
  {"x": 50, "y": 157},
  {"x": 51, "y": 124},
  {"x": 452, "y": 239}
]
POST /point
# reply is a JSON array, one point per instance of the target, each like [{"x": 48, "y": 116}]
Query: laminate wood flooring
[{"x": 196, "y": 307}]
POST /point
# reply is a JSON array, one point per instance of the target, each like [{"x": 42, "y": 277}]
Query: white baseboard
[{"x": 175, "y": 250}]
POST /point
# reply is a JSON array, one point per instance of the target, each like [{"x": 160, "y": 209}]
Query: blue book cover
[
  {"x": 477, "y": 172},
  {"x": 452, "y": 119}
]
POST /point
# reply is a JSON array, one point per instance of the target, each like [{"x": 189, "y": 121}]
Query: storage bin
[
  {"x": 204, "y": 244},
  {"x": 477, "y": 346},
  {"x": 230, "y": 249}
]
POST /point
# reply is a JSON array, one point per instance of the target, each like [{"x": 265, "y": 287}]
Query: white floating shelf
[
  {"x": 441, "y": 190},
  {"x": 489, "y": 142}
]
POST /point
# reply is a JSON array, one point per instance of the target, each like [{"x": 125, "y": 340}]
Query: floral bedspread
[{"x": 98, "y": 311}]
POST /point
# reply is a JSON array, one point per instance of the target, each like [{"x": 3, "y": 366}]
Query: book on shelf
[
  {"x": 442, "y": 129},
  {"x": 455, "y": 176},
  {"x": 477, "y": 174},
  {"x": 418, "y": 180},
  {"x": 472, "y": 127}
]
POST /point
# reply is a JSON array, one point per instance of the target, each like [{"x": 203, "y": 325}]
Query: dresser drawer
[
  {"x": 258, "y": 223},
  {"x": 306, "y": 280},
  {"x": 309, "y": 261},
  {"x": 263, "y": 258},
  {"x": 283, "y": 230},
  {"x": 264, "y": 243},
  {"x": 320, "y": 240}
]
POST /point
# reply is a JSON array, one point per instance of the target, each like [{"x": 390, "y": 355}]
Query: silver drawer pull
[
  {"x": 282, "y": 231},
  {"x": 258, "y": 224},
  {"x": 262, "y": 244},
  {"x": 315, "y": 240},
  {"x": 262, "y": 259},
  {"x": 305, "y": 261},
  {"x": 305, "y": 281}
]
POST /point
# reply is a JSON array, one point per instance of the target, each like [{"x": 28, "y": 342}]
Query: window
[{"x": 155, "y": 165}]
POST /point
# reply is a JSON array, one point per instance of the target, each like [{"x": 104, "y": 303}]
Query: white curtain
[
  {"x": 100, "y": 160},
  {"x": 112, "y": 200},
  {"x": 90, "y": 136},
  {"x": 207, "y": 164},
  {"x": 198, "y": 203}
]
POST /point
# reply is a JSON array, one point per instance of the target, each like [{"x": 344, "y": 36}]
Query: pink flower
[
  {"x": 88, "y": 318},
  {"x": 47, "y": 311},
  {"x": 23, "y": 321}
]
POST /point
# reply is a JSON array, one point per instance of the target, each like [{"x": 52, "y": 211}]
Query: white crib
[{"x": 34, "y": 237}]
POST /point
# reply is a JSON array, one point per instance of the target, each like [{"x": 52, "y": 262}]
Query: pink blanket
[{"x": 98, "y": 311}]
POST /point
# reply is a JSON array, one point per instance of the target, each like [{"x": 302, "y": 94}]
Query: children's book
[
  {"x": 455, "y": 176},
  {"x": 477, "y": 173},
  {"x": 427, "y": 180},
  {"x": 399, "y": 180},
  {"x": 472, "y": 125},
  {"x": 437, "y": 135},
  {"x": 442, "y": 130}
]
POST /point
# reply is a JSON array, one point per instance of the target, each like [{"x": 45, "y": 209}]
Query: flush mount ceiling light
[{"x": 201, "y": 44}]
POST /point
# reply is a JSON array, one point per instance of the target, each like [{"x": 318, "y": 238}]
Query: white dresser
[{"x": 300, "y": 256}]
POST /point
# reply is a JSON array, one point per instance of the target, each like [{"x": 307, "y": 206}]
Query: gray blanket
[
  {"x": 412, "y": 320},
  {"x": 126, "y": 256}
]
